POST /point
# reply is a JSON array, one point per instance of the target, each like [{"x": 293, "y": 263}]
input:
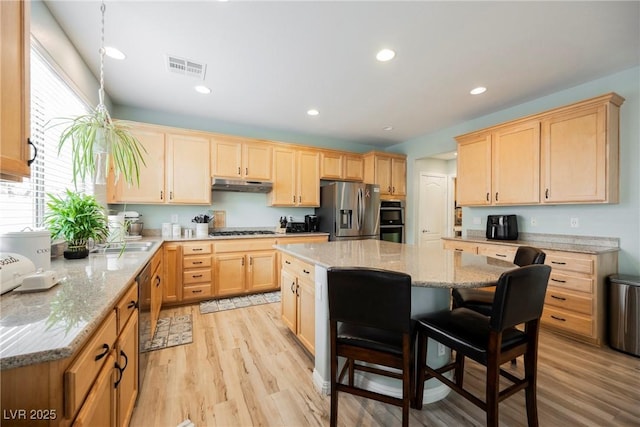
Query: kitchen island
[{"x": 433, "y": 271}]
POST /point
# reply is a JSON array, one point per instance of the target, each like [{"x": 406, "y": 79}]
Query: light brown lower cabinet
[
  {"x": 297, "y": 283},
  {"x": 575, "y": 298},
  {"x": 243, "y": 266},
  {"x": 99, "y": 409}
]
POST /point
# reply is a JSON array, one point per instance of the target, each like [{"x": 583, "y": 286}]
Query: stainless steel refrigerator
[{"x": 349, "y": 211}]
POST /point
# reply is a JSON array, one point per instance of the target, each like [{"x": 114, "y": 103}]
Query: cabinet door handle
[
  {"x": 35, "y": 152},
  {"x": 297, "y": 287},
  {"x": 459, "y": 250},
  {"x": 196, "y": 276},
  {"x": 559, "y": 298},
  {"x": 242, "y": 261},
  {"x": 132, "y": 304},
  {"x": 292, "y": 285},
  {"x": 558, "y": 262},
  {"x": 104, "y": 353},
  {"x": 246, "y": 171},
  {"x": 501, "y": 255},
  {"x": 158, "y": 280},
  {"x": 393, "y": 190},
  {"x": 171, "y": 195},
  {"x": 238, "y": 170},
  {"x": 294, "y": 199},
  {"x": 487, "y": 197},
  {"x": 305, "y": 271},
  {"x": 546, "y": 193},
  {"x": 496, "y": 196},
  {"x": 196, "y": 291},
  {"x": 121, "y": 370},
  {"x": 558, "y": 318},
  {"x": 196, "y": 249},
  {"x": 558, "y": 280},
  {"x": 250, "y": 260},
  {"x": 287, "y": 262},
  {"x": 389, "y": 189},
  {"x": 299, "y": 199},
  {"x": 197, "y": 262},
  {"x": 161, "y": 195}
]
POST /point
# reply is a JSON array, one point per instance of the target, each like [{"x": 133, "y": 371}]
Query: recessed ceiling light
[
  {"x": 313, "y": 112},
  {"x": 385, "y": 55},
  {"x": 478, "y": 90},
  {"x": 202, "y": 89},
  {"x": 387, "y": 128},
  {"x": 114, "y": 53}
]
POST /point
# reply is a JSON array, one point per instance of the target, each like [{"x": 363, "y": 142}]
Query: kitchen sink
[{"x": 115, "y": 248}]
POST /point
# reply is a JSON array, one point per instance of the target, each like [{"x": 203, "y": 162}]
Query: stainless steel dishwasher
[
  {"x": 624, "y": 313},
  {"x": 144, "y": 312}
]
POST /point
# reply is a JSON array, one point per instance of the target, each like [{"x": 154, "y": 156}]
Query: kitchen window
[{"x": 24, "y": 203}]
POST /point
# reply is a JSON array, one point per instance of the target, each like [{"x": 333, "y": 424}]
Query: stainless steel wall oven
[{"x": 392, "y": 221}]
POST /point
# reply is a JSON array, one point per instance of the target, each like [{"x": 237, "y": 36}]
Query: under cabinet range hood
[{"x": 241, "y": 186}]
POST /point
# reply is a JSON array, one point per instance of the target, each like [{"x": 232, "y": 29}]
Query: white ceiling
[{"x": 269, "y": 62}]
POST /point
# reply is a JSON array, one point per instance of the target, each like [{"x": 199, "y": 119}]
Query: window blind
[{"x": 23, "y": 204}]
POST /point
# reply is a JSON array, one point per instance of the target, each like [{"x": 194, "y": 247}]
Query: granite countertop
[
  {"x": 428, "y": 267},
  {"x": 43, "y": 326},
  {"x": 558, "y": 242}
]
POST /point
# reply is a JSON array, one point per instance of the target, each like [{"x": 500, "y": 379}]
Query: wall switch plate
[
  {"x": 575, "y": 223},
  {"x": 441, "y": 349},
  {"x": 534, "y": 222},
  {"x": 174, "y": 218}
]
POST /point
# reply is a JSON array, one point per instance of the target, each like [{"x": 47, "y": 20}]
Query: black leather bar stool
[
  {"x": 481, "y": 301},
  {"x": 491, "y": 341},
  {"x": 370, "y": 322}
]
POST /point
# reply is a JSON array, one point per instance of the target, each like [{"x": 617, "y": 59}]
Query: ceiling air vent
[{"x": 186, "y": 67}]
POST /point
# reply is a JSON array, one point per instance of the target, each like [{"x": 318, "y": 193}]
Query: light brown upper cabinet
[
  {"x": 296, "y": 177},
  {"x": 237, "y": 158},
  {"x": 566, "y": 155},
  {"x": 14, "y": 90},
  {"x": 335, "y": 165},
  {"x": 580, "y": 152},
  {"x": 387, "y": 170},
  {"x": 176, "y": 171},
  {"x": 500, "y": 167}
]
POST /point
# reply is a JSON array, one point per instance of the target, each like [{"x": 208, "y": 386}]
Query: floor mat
[
  {"x": 237, "y": 302},
  {"x": 170, "y": 331}
]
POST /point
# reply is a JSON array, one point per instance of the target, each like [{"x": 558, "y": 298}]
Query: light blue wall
[{"x": 620, "y": 220}]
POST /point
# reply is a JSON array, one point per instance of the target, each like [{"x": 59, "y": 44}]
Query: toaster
[{"x": 502, "y": 227}]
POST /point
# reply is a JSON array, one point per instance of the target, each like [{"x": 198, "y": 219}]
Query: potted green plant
[
  {"x": 76, "y": 218},
  {"x": 97, "y": 142}
]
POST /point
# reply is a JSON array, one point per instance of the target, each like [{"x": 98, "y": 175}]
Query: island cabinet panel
[
  {"x": 15, "y": 48},
  {"x": 298, "y": 299}
]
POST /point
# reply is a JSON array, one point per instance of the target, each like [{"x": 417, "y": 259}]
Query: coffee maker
[{"x": 311, "y": 223}]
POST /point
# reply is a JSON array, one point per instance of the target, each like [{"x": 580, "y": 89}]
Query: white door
[{"x": 432, "y": 212}]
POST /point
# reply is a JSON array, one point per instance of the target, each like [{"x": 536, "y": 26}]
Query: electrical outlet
[
  {"x": 575, "y": 223},
  {"x": 441, "y": 349},
  {"x": 174, "y": 218},
  {"x": 534, "y": 222}
]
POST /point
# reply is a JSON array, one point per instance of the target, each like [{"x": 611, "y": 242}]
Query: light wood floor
[{"x": 245, "y": 369}]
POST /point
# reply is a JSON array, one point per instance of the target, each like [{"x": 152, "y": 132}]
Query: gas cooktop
[{"x": 240, "y": 233}]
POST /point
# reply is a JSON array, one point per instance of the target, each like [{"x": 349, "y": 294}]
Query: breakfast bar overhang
[{"x": 433, "y": 270}]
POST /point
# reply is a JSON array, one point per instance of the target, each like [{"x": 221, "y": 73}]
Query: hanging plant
[{"x": 97, "y": 142}]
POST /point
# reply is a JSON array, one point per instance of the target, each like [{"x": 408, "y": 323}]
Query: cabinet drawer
[
  {"x": 196, "y": 292},
  {"x": 460, "y": 246},
  {"x": 127, "y": 306},
  {"x": 196, "y": 248},
  {"x": 557, "y": 297},
  {"x": 574, "y": 263},
  {"x": 301, "y": 239},
  {"x": 305, "y": 270},
  {"x": 566, "y": 281},
  {"x": 84, "y": 369},
  {"x": 572, "y": 322},
  {"x": 498, "y": 252},
  {"x": 288, "y": 262},
  {"x": 196, "y": 276},
  {"x": 196, "y": 262},
  {"x": 244, "y": 245}
]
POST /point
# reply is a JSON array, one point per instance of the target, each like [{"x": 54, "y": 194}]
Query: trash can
[{"x": 624, "y": 313}]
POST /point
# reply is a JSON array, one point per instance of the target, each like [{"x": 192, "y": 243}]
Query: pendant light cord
[{"x": 101, "y": 107}]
